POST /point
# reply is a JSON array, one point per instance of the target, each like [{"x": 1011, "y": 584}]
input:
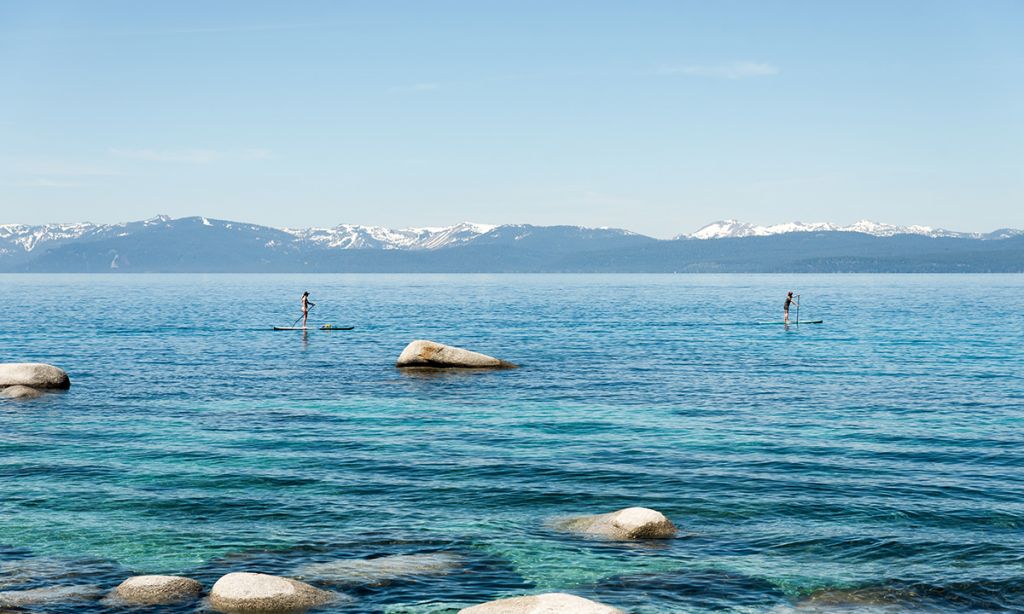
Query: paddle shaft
[
  {"x": 798, "y": 310},
  {"x": 300, "y": 317}
]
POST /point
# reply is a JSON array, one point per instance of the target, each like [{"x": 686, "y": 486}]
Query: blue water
[{"x": 875, "y": 460}]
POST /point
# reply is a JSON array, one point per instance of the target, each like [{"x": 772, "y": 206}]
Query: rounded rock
[
  {"x": 430, "y": 354},
  {"x": 257, "y": 592},
  {"x": 33, "y": 375},
  {"x": 547, "y": 603},
  {"x": 20, "y": 392},
  {"x": 157, "y": 590},
  {"x": 626, "y": 524}
]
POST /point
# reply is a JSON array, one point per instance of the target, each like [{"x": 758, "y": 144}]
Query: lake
[{"x": 875, "y": 460}]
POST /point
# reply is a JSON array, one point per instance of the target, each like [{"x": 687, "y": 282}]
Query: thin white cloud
[
  {"x": 191, "y": 156},
  {"x": 728, "y": 70},
  {"x": 417, "y": 87}
]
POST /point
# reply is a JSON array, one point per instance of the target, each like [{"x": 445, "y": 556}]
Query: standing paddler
[
  {"x": 789, "y": 300},
  {"x": 306, "y": 306}
]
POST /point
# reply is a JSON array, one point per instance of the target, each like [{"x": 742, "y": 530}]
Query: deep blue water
[{"x": 879, "y": 456}]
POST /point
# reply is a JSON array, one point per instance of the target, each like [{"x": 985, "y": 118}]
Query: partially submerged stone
[
  {"x": 548, "y": 603},
  {"x": 49, "y": 595},
  {"x": 373, "y": 571},
  {"x": 626, "y": 524},
  {"x": 33, "y": 375},
  {"x": 20, "y": 392},
  {"x": 421, "y": 353},
  {"x": 257, "y": 592},
  {"x": 44, "y": 570},
  {"x": 157, "y": 590},
  {"x": 877, "y": 598}
]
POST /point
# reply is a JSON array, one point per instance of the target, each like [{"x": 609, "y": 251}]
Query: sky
[{"x": 658, "y": 117}]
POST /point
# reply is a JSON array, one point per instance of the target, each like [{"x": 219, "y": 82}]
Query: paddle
[{"x": 798, "y": 310}]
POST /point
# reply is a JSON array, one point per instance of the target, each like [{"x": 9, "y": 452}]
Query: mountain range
[{"x": 199, "y": 244}]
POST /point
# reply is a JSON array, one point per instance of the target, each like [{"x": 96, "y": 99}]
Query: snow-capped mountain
[
  {"x": 733, "y": 229},
  {"x": 15, "y": 238},
  {"x": 349, "y": 236},
  {"x": 206, "y": 245},
  {"x": 23, "y": 237}
]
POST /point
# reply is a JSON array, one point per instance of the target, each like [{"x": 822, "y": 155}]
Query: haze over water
[{"x": 880, "y": 451}]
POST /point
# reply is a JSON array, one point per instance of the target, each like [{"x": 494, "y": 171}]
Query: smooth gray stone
[
  {"x": 625, "y": 524},
  {"x": 33, "y": 375},
  {"x": 257, "y": 592},
  {"x": 157, "y": 590},
  {"x": 430, "y": 354}
]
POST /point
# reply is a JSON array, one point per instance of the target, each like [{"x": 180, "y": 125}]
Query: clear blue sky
[{"x": 654, "y": 116}]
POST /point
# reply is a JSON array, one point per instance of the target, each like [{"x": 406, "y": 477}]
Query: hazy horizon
[{"x": 657, "y": 117}]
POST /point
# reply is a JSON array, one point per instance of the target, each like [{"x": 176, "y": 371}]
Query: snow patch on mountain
[
  {"x": 734, "y": 229},
  {"x": 351, "y": 236},
  {"x": 29, "y": 237}
]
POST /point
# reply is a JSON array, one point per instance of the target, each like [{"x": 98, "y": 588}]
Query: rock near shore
[
  {"x": 626, "y": 524},
  {"x": 157, "y": 590},
  {"x": 257, "y": 592},
  {"x": 548, "y": 603},
  {"x": 430, "y": 354},
  {"x": 33, "y": 375}
]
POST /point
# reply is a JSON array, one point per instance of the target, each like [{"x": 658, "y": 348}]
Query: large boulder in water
[
  {"x": 421, "y": 353},
  {"x": 626, "y": 524},
  {"x": 157, "y": 590},
  {"x": 257, "y": 592},
  {"x": 33, "y": 375},
  {"x": 20, "y": 392},
  {"x": 548, "y": 603}
]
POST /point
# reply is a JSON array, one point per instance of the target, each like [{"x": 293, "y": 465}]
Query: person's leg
[
  {"x": 305, "y": 314},
  {"x": 786, "y": 319}
]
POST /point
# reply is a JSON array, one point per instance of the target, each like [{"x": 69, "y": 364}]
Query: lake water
[{"x": 876, "y": 460}]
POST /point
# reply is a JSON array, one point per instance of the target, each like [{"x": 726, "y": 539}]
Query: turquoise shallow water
[{"x": 878, "y": 456}]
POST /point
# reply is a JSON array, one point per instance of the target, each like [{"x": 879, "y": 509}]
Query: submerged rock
[
  {"x": 257, "y": 592},
  {"x": 48, "y": 595},
  {"x": 20, "y": 392},
  {"x": 33, "y": 375},
  {"x": 429, "y": 354},
  {"x": 15, "y": 573},
  {"x": 626, "y": 524},
  {"x": 877, "y": 598},
  {"x": 372, "y": 571},
  {"x": 157, "y": 590},
  {"x": 548, "y": 603}
]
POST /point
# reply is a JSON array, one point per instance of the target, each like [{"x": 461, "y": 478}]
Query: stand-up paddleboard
[
  {"x": 795, "y": 323},
  {"x": 324, "y": 327}
]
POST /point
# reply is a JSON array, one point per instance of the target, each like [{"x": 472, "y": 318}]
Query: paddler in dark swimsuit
[{"x": 789, "y": 300}]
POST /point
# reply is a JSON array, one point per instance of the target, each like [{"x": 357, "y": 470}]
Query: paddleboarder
[
  {"x": 785, "y": 308},
  {"x": 306, "y": 306}
]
